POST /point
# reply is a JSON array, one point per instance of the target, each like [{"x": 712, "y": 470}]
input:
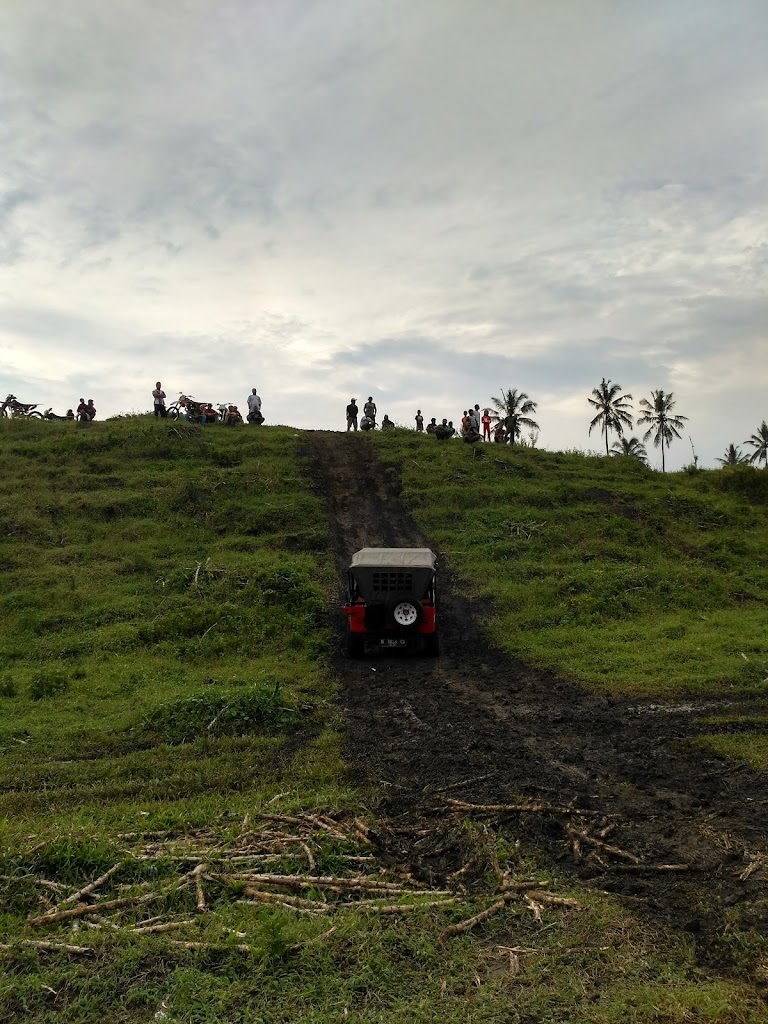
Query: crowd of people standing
[
  {"x": 194, "y": 411},
  {"x": 475, "y": 425}
]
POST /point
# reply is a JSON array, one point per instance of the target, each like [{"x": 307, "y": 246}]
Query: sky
[{"x": 427, "y": 202}]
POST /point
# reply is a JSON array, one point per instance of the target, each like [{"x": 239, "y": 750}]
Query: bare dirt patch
[{"x": 613, "y": 793}]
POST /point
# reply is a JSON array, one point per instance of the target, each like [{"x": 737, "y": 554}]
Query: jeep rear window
[{"x": 392, "y": 580}]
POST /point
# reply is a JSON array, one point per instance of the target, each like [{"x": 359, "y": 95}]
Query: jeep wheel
[{"x": 407, "y": 613}]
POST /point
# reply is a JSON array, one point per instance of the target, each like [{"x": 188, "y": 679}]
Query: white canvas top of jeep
[{"x": 389, "y": 557}]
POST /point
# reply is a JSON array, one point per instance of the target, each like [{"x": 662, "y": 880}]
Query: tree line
[{"x": 614, "y": 415}]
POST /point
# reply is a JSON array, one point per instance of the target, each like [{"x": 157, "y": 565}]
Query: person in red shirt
[{"x": 486, "y": 421}]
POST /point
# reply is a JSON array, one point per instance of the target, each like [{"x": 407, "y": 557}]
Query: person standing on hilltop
[
  {"x": 486, "y": 421},
  {"x": 158, "y": 397},
  {"x": 369, "y": 409},
  {"x": 352, "y": 412},
  {"x": 91, "y": 409},
  {"x": 419, "y": 420},
  {"x": 254, "y": 408}
]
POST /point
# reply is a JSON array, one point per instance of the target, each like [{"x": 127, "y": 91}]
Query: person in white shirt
[
  {"x": 158, "y": 397},
  {"x": 254, "y": 408}
]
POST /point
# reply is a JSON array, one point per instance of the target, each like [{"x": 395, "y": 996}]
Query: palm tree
[
  {"x": 732, "y": 456},
  {"x": 632, "y": 447},
  {"x": 613, "y": 409},
  {"x": 512, "y": 410},
  {"x": 664, "y": 427},
  {"x": 759, "y": 442}
]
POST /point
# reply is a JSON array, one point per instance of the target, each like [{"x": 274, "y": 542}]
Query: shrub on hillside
[
  {"x": 7, "y": 686},
  {"x": 53, "y": 683},
  {"x": 745, "y": 480},
  {"x": 259, "y": 709}
]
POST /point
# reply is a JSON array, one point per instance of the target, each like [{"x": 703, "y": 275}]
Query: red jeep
[{"x": 391, "y": 601}]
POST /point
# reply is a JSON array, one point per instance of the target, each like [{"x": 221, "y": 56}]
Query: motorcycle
[
  {"x": 49, "y": 414},
  {"x": 13, "y": 407}
]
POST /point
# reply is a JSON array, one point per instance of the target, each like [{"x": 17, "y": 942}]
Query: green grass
[
  {"x": 164, "y": 665},
  {"x": 742, "y": 747},
  {"x": 621, "y": 578}
]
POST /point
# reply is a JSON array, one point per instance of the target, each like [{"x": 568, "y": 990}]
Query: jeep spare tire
[{"x": 407, "y": 612}]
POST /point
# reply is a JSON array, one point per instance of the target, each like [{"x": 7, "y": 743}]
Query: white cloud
[{"x": 515, "y": 195}]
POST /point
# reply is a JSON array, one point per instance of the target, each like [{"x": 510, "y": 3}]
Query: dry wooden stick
[
  {"x": 297, "y": 902},
  {"x": 470, "y": 922},
  {"x": 534, "y": 906},
  {"x": 280, "y": 817},
  {"x": 241, "y": 947},
  {"x": 56, "y": 886},
  {"x": 200, "y": 894},
  {"x": 191, "y": 875},
  {"x": 98, "y": 925},
  {"x": 316, "y": 938},
  {"x": 55, "y": 947},
  {"x": 169, "y": 926},
  {"x": 196, "y": 854},
  {"x": 144, "y": 835},
  {"x": 750, "y": 869},
  {"x": 465, "y": 782},
  {"x": 361, "y": 830},
  {"x": 332, "y": 882},
  {"x": 331, "y": 827},
  {"x": 456, "y": 875},
  {"x": 88, "y": 889},
  {"x": 93, "y": 908},
  {"x": 576, "y": 833},
  {"x": 310, "y": 858},
  {"x": 650, "y": 867},
  {"x": 550, "y": 897},
  {"x": 397, "y": 908},
  {"x": 462, "y": 805}
]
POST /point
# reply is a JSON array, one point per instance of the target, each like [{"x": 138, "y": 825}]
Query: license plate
[{"x": 393, "y": 642}]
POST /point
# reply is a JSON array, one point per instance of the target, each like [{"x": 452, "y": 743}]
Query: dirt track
[{"x": 420, "y": 729}]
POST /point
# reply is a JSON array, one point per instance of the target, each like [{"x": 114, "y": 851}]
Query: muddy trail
[{"x": 626, "y": 806}]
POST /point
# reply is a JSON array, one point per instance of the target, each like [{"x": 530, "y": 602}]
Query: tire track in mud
[{"x": 419, "y": 728}]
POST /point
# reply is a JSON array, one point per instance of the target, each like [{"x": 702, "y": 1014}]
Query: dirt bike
[
  {"x": 49, "y": 414},
  {"x": 13, "y": 407},
  {"x": 185, "y": 405}
]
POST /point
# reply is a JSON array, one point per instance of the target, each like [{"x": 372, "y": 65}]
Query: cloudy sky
[{"x": 424, "y": 200}]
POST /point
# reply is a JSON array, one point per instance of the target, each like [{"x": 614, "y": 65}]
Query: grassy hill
[
  {"x": 166, "y": 700},
  {"x": 623, "y": 578}
]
